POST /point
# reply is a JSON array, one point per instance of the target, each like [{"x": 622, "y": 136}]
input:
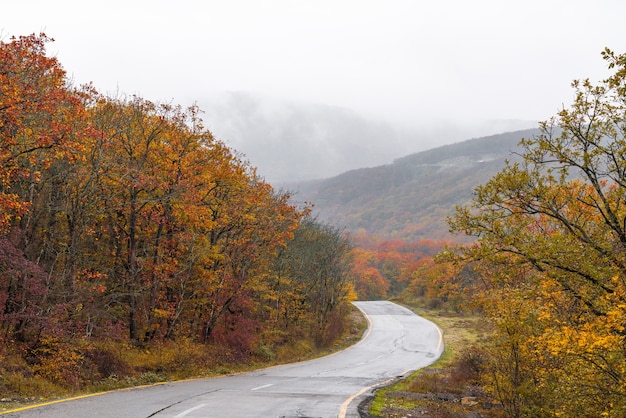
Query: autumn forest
[
  {"x": 136, "y": 247},
  {"x": 124, "y": 223}
]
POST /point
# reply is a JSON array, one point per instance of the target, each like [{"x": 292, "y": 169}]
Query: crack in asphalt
[{"x": 181, "y": 401}]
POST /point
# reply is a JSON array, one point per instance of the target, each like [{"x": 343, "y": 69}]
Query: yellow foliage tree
[{"x": 552, "y": 245}]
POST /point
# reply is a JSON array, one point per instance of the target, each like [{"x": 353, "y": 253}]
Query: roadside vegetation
[{"x": 130, "y": 366}]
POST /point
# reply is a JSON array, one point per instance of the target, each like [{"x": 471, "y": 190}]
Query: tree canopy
[{"x": 551, "y": 247}]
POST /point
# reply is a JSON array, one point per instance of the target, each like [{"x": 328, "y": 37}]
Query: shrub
[
  {"x": 469, "y": 365},
  {"x": 107, "y": 361},
  {"x": 58, "y": 362}
]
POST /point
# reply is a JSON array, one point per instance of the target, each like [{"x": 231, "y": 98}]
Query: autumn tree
[
  {"x": 552, "y": 242},
  {"x": 312, "y": 278},
  {"x": 30, "y": 83},
  {"x": 42, "y": 127},
  {"x": 370, "y": 283},
  {"x": 438, "y": 282},
  {"x": 129, "y": 193},
  {"x": 385, "y": 267},
  {"x": 22, "y": 291},
  {"x": 251, "y": 222}
]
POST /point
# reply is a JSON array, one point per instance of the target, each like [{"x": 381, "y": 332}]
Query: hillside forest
[{"x": 411, "y": 198}]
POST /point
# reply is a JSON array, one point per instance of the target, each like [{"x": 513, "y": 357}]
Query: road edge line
[{"x": 75, "y": 398}]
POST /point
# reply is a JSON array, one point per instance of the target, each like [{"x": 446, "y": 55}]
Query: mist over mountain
[
  {"x": 298, "y": 141},
  {"x": 411, "y": 198}
]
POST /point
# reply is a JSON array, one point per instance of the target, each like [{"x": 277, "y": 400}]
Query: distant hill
[
  {"x": 411, "y": 198},
  {"x": 298, "y": 141}
]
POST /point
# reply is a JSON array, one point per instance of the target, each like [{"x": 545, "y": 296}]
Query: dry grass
[{"x": 450, "y": 387}]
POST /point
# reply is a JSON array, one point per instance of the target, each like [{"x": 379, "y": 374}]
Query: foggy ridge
[{"x": 298, "y": 141}]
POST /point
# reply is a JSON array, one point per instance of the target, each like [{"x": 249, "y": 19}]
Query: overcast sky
[{"x": 410, "y": 59}]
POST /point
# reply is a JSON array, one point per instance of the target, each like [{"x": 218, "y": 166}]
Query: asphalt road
[{"x": 397, "y": 343}]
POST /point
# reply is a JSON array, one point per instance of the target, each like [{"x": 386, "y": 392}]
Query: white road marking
[
  {"x": 263, "y": 387},
  {"x": 189, "y": 411}
]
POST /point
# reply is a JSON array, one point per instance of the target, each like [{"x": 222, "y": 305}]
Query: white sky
[{"x": 413, "y": 59}]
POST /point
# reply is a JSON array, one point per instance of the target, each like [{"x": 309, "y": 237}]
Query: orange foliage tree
[
  {"x": 385, "y": 268},
  {"x": 36, "y": 117},
  {"x": 370, "y": 283},
  {"x": 42, "y": 120}
]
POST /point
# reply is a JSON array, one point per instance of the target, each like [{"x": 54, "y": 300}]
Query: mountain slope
[{"x": 411, "y": 198}]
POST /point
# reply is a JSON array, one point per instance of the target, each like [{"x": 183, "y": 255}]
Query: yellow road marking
[{"x": 74, "y": 398}]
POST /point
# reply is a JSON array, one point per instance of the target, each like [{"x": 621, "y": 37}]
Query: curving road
[{"x": 397, "y": 342}]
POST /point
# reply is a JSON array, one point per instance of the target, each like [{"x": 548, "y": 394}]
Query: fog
[
  {"x": 416, "y": 74},
  {"x": 292, "y": 141}
]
